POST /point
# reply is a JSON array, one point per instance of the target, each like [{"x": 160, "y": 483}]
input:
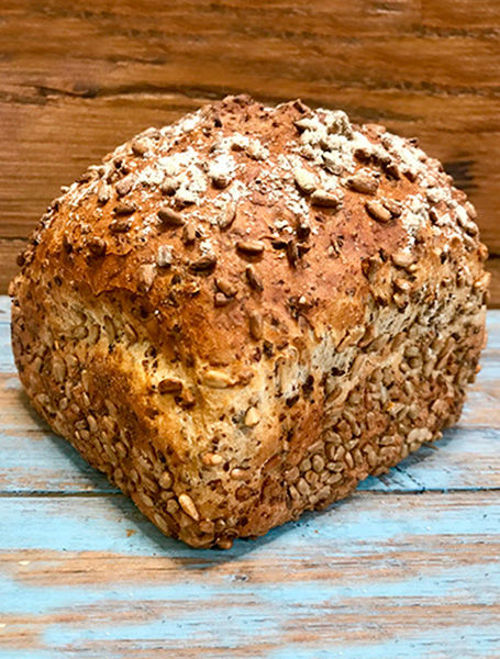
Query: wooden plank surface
[
  {"x": 413, "y": 576},
  {"x": 103, "y": 72},
  {"x": 35, "y": 461},
  {"x": 406, "y": 567},
  {"x": 409, "y": 565}
]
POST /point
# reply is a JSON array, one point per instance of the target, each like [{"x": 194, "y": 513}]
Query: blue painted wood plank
[
  {"x": 394, "y": 575},
  {"x": 413, "y": 576},
  {"x": 4, "y": 309},
  {"x": 40, "y": 462},
  {"x": 6, "y": 358},
  {"x": 34, "y": 460}
]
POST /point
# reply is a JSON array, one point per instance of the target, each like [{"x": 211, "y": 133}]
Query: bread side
[{"x": 239, "y": 317}]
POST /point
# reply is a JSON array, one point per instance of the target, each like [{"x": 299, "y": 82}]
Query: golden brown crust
[{"x": 211, "y": 315}]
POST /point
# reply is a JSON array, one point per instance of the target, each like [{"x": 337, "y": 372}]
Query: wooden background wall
[{"x": 77, "y": 78}]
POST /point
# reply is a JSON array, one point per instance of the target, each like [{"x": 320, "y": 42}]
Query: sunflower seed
[
  {"x": 146, "y": 273},
  {"x": 228, "y": 215},
  {"x": 120, "y": 225},
  {"x": 124, "y": 186},
  {"x": 326, "y": 199},
  {"x": 184, "y": 197},
  {"x": 217, "y": 379},
  {"x": 363, "y": 183},
  {"x": 124, "y": 209},
  {"x": 393, "y": 206},
  {"x": 253, "y": 278},
  {"x": 204, "y": 263},
  {"x": 225, "y": 286},
  {"x": 164, "y": 256},
  {"x": 250, "y": 247},
  {"x": 252, "y": 417},
  {"x": 97, "y": 246},
  {"x": 292, "y": 253},
  {"x": 255, "y": 324},
  {"x": 170, "y": 386},
  {"x": 169, "y": 217},
  {"x": 187, "y": 505},
  {"x": 139, "y": 147},
  {"x": 220, "y": 300},
  {"x": 188, "y": 234},
  {"x": 103, "y": 193},
  {"x": 304, "y": 180},
  {"x": 377, "y": 211},
  {"x": 170, "y": 186},
  {"x": 403, "y": 259}
]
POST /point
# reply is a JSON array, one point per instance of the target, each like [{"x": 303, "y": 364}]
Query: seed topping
[
  {"x": 147, "y": 273},
  {"x": 255, "y": 324},
  {"x": 292, "y": 253},
  {"x": 403, "y": 259},
  {"x": 362, "y": 183},
  {"x": 253, "y": 279},
  {"x": 252, "y": 418},
  {"x": 170, "y": 217},
  {"x": 188, "y": 506},
  {"x": 97, "y": 246},
  {"x": 124, "y": 186},
  {"x": 326, "y": 199},
  {"x": 250, "y": 247},
  {"x": 220, "y": 300},
  {"x": 377, "y": 211},
  {"x": 120, "y": 225},
  {"x": 164, "y": 256},
  {"x": 139, "y": 147},
  {"x": 170, "y": 386},
  {"x": 204, "y": 263},
  {"x": 124, "y": 209},
  {"x": 225, "y": 286},
  {"x": 103, "y": 193},
  {"x": 217, "y": 379},
  {"x": 169, "y": 186},
  {"x": 393, "y": 206},
  {"x": 304, "y": 180},
  {"x": 227, "y": 217}
]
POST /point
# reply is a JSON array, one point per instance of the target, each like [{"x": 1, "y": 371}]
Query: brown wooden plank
[
  {"x": 9, "y": 249},
  {"x": 70, "y": 133},
  {"x": 286, "y": 39},
  {"x": 493, "y": 266},
  {"x": 462, "y": 15},
  {"x": 102, "y": 73},
  {"x": 35, "y": 461}
]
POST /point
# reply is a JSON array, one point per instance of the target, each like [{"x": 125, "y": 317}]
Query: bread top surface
[{"x": 240, "y": 226}]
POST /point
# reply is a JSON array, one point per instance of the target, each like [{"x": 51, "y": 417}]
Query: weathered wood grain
[
  {"x": 374, "y": 576},
  {"x": 33, "y": 460},
  {"x": 290, "y": 40},
  {"x": 103, "y": 72},
  {"x": 461, "y": 15},
  {"x": 400, "y": 569},
  {"x": 71, "y": 133}
]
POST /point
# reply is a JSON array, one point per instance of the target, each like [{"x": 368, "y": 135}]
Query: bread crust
[{"x": 240, "y": 316}]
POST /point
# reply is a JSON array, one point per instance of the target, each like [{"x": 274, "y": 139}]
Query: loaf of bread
[{"x": 240, "y": 316}]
